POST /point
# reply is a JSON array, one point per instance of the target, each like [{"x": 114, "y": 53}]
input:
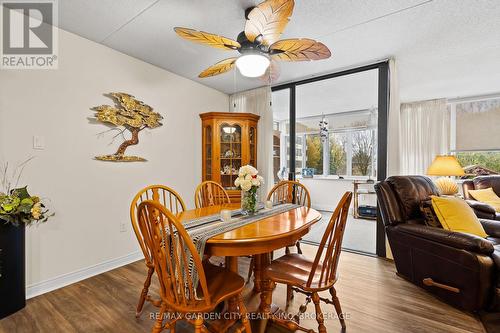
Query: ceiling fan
[{"x": 259, "y": 45}]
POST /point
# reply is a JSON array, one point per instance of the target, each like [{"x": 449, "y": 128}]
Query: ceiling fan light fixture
[
  {"x": 252, "y": 65},
  {"x": 259, "y": 43}
]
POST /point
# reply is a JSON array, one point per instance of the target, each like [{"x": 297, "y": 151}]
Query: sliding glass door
[{"x": 336, "y": 125}]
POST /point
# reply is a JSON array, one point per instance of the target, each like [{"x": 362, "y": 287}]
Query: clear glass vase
[{"x": 249, "y": 202}]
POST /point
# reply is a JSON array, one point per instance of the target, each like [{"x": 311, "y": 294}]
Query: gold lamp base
[{"x": 446, "y": 186}]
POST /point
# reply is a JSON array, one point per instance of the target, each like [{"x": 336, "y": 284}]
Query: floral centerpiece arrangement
[
  {"x": 17, "y": 206},
  {"x": 248, "y": 182}
]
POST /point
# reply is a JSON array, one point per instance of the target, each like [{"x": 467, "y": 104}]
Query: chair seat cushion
[
  {"x": 294, "y": 269},
  {"x": 221, "y": 283}
]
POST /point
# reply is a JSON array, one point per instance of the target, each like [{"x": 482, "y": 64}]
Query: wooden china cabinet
[{"x": 229, "y": 140}]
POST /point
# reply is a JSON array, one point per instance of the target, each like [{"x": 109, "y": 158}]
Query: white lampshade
[{"x": 252, "y": 65}]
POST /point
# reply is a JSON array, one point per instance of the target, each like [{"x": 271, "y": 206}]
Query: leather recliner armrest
[
  {"x": 491, "y": 227},
  {"x": 482, "y": 210},
  {"x": 454, "y": 239},
  {"x": 481, "y": 206}
]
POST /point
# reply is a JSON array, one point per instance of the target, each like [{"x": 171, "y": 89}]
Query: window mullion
[
  {"x": 326, "y": 156},
  {"x": 303, "y": 151},
  {"x": 349, "y": 153}
]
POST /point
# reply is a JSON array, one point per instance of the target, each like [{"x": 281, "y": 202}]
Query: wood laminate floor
[{"x": 372, "y": 296}]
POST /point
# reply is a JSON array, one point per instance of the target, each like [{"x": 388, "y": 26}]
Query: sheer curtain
[
  {"x": 425, "y": 133},
  {"x": 258, "y": 101},
  {"x": 393, "y": 121}
]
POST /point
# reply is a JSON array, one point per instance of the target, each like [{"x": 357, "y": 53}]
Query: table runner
[{"x": 202, "y": 229}]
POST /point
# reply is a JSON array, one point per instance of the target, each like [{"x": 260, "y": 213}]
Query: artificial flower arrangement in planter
[
  {"x": 18, "y": 209},
  {"x": 248, "y": 182}
]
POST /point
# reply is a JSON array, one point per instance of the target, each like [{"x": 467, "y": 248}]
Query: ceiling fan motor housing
[
  {"x": 247, "y": 11},
  {"x": 251, "y": 47}
]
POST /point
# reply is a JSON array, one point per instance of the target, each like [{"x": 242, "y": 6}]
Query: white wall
[
  {"x": 326, "y": 193},
  {"x": 92, "y": 198}
]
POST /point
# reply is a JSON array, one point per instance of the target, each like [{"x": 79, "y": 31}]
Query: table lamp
[{"x": 446, "y": 166}]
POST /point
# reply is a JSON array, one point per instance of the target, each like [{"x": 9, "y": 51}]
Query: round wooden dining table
[{"x": 257, "y": 239}]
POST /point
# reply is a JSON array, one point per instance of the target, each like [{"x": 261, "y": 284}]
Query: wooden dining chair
[
  {"x": 170, "y": 247},
  {"x": 311, "y": 277},
  {"x": 210, "y": 193},
  {"x": 169, "y": 198},
  {"x": 288, "y": 191}
]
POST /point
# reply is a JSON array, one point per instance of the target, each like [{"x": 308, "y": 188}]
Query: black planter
[{"x": 12, "y": 269}]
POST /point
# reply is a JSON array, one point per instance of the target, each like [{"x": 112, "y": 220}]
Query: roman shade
[{"x": 477, "y": 125}]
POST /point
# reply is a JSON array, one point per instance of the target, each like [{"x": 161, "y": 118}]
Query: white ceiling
[{"x": 444, "y": 48}]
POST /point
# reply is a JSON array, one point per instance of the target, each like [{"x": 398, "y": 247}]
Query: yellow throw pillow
[
  {"x": 488, "y": 196},
  {"x": 456, "y": 215}
]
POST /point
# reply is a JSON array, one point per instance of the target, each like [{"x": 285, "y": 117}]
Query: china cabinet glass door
[
  {"x": 208, "y": 153},
  {"x": 230, "y": 154},
  {"x": 252, "y": 138}
]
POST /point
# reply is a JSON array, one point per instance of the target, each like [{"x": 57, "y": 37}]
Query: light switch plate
[{"x": 38, "y": 142}]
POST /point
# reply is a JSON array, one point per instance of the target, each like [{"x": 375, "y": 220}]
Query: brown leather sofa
[
  {"x": 459, "y": 268},
  {"x": 482, "y": 210}
]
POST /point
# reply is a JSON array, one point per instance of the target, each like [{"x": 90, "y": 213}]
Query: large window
[
  {"x": 329, "y": 125},
  {"x": 349, "y": 150},
  {"x": 483, "y": 159},
  {"x": 281, "y": 127},
  {"x": 338, "y": 154},
  {"x": 299, "y": 153},
  {"x": 475, "y": 134},
  {"x": 314, "y": 153},
  {"x": 363, "y": 150}
]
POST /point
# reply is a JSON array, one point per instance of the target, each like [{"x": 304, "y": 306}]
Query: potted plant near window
[{"x": 18, "y": 209}]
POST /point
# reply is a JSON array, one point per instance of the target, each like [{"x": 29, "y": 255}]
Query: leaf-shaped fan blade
[
  {"x": 272, "y": 74},
  {"x": 268, "y": 19},
  {"x": 206, "y": 38},
  {"x": 299, "y": 50},
  {"x": 219, "y": 68}
]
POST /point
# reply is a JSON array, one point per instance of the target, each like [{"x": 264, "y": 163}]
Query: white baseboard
[{"x": 46, "y": 286}]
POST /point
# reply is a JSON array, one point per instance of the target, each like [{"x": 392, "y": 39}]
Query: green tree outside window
[{"x": 314, "y": 153}]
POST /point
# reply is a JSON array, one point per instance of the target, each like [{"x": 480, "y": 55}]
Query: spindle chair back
[
  {"x": 210, "y": 193},
  {"x": 167, "y": 197}
]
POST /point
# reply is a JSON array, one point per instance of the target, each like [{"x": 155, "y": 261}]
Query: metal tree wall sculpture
[{"x": 131, "y": 115}]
